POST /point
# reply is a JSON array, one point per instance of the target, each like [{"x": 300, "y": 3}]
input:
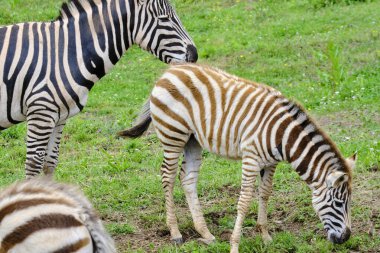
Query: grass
[{"x": 325, "y": 54}]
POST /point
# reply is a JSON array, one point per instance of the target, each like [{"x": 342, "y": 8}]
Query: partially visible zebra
[
  {"x": 39, "y": 215},
  {"x": 194, "y": 107},
  {"x": 48, "y": 68}
]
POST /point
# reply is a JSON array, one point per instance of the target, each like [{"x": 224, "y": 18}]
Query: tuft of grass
[
  {"x": 336, "y": 73},
  {"x": 120, "y": 229},
  {"x": 326, "y": 3}
]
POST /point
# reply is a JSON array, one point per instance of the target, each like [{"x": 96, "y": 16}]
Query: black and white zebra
[
  {"x": 48, "y": 68},
  {"x": 40, "y": 215},
  {"x": 195, "y": 107}
]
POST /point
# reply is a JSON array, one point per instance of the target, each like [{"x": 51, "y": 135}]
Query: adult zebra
[
  {"x": 48, "y": 68},
  {"x": 194, "y": 107}
]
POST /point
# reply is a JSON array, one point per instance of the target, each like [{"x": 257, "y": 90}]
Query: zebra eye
[{"x": 163, "y": 17}]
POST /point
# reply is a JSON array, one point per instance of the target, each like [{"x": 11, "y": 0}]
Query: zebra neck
[
  {"x": 312, "y": 153},
  {"x": 98, "y": 35}
]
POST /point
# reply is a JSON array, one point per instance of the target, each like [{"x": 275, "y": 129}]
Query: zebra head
[
  {"x": 160, "y": 32},
  {"x": 332, "y": 203}
]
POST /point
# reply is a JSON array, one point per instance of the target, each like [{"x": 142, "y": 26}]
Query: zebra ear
[
  {"x": 335, "y": 178},
  {"x": 351, "y": 161}
]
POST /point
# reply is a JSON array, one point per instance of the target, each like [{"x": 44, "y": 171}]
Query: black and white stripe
[
  {"x": 41, "y": 216},
  {"x": 48, "y": 68}
]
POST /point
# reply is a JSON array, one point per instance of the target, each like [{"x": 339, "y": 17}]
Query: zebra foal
[
  {"x": 48, "y": 68},
  {"x": 194, "y": 107},
  {"x": 41, "y": 216}
]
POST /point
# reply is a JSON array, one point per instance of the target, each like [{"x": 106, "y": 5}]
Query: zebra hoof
[
  {"x": 206, "y": 241},
  {"x": 177, "y": 241},
  {"x": 267, "y": 239}
]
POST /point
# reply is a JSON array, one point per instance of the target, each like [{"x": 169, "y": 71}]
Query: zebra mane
[{"x": 67, "y": 7}]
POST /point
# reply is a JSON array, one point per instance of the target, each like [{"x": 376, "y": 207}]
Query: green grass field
[{"x": 323, "y": 53}]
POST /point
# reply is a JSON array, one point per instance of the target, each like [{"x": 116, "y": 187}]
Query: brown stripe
[
  {"x": 235, "y": 112},
  {"x": 198, "y": 98},
  {"x": 55, "y": 220},
  {"x": 211, "y": 93},
  {"x": 244, "y": 114},
  {"x": 166, "y": 125},
  {"x": 322, "y": 170},
  {"x": 271, "y": 124},
  {"x": 261, "y": 126},
  {"x": 17, "y": 190},
  {"x": 223, "y": 123},
  {"x": 23, "y": 204},
  {"x": 257, "y": 106},
  {"x": 316, "y": 161},
  {"x": 169, "y": 112},
  {"x": 173, "y": 90},
  {"x": 74, "y": 247},
  {"x": 171, "y": 137}
]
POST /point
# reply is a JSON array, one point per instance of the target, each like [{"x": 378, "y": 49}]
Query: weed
[{"x": 336, "y": 74}]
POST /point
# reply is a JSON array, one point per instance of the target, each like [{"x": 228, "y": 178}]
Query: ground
[{"x": 323, "y": 53}]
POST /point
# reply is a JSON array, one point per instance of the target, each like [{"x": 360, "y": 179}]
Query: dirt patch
[
  {"x": 148, "y": 240},
  {"x": 366, "y": 196},
  {"x": 338, "y": 119},
  {"x": 215, "y": 216},
  {"x": 145, "y": 238},
  {"x": 284, "y": 217},
  {"x": 232, "y": 191}
]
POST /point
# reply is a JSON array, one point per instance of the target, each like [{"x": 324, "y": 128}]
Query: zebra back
[{"x": 40, "y": 215}]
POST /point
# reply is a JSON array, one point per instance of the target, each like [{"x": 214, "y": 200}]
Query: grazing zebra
[
  {"x": 40, "y": 216},
  {"x": 194, "y": 107},
  {"x": 48, "y": 68}
]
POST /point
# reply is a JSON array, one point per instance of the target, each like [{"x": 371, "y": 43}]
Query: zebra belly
[
  {"x": 15, "y": 113},
  {"x": 231, "y": 151}
]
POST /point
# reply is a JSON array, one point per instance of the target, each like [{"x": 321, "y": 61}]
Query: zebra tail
[
  {"x": 140, "y": 125},
  {"x": 101, "y": 240}
]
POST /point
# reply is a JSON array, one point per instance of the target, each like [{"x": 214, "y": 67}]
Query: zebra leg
[
  {"x": 39, "y": 131},
  {"x": 265, "y": 190},
  {"x": 52, "y": 152},
  {"x": 250, "y": 170},
  {"x": 168, "y": 173},
  {"x": 189, "y": 177}
]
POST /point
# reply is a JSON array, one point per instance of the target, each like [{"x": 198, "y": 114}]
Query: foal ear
[
  {"x": 351, "y": 161},
  {"x": 335, "y": 179}
]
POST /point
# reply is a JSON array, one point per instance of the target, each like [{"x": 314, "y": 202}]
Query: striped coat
[
  {"x": 42, "y": 216},
  {"x": 194, "y": 107},
  {"x": 48, "y": 68}
]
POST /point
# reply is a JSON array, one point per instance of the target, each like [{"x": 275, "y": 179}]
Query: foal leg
[
  {"x": 189, "y": 177},
  {"x": 265, "y": 190},
  {"x": 52, "y": 152},
  {"x": 168, "y": 173},
  {"x": 250, "y": 171}
]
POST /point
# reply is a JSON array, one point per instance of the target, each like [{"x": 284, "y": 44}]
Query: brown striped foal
[
  {"x": 39, "y": 216},
  {"x": 194, "y": 107}
]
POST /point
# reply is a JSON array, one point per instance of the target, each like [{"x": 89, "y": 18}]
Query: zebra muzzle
[
  {"x": 191, "y": 53},
  {"x": 339, "y": 239}
]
